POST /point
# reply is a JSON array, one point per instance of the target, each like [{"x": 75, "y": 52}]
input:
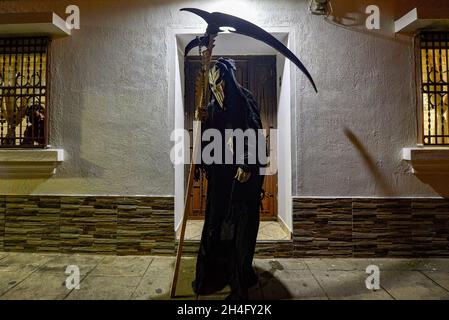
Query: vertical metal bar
[
  {"x": 28, "y": 79},
  {"x": 446, "y": 140},
  {"x": 419, "y": 79},
  {"x": 40, "y": 79},
  {"x": 2, "y": 116},
  {"x": 47, "y": 93},
  {"x": 21, "y": 104},
  {"x": 14, "y": 122},
  {"x": 441, "y": 105},
  {"x": 10, "y": 91},
  {"x": 33, "y": 78},
  {"x": 435, "y": 107},
  {"x": 429, "y": 125}
]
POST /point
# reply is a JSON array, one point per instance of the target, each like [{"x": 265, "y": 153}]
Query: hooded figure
[{"x": 234, "y": 190}]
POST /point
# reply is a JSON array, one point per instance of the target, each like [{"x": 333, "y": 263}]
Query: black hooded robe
[{"x": 232, "y": 208}]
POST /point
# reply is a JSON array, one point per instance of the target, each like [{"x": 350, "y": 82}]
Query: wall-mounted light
[{"x": 319, "y": 7}]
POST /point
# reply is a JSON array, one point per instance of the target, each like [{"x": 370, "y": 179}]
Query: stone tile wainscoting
[
  {"x": 144, "y": 226},
  {"x": 371, "y": 227},
  {"x": 107, "y": 225}
]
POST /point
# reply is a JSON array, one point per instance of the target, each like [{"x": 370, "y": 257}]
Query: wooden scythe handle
[{"x": 201, "y": 94}]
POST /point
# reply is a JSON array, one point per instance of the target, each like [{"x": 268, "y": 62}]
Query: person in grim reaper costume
[{"x": 234, "y": 190}]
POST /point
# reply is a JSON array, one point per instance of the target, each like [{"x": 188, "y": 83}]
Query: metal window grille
[
  {"x": 23, "y": 92},
  {"x": 434, "y": 48}
]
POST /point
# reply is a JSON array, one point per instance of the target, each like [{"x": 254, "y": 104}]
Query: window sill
[
  {"x": 428, "y": 160},
  {"x": 422, "y": 19},
  {"x": 33, "y": 24},
  {"x": 24, "y": 163}
]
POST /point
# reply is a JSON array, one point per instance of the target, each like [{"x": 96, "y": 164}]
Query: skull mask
[{"x": 217, "y": 85}]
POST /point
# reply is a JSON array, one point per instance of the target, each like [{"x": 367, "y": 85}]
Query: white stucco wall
[{"x": 111, "y": 113}]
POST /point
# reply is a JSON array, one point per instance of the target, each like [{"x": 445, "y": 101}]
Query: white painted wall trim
[
  {"x": 427, "y": 160},
  {"x": 24, "y": 163},
  {"x": 286, "y": 107},
  {"x": 414, "y": 21},
  {"x": 33, "y": 24}
]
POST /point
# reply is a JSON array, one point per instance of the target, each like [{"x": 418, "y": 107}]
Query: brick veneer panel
[
  {"x": 145, "y": 226},
  {"x": 430, "y": 230},
  {"x": 190, "y": 248},
  {"x": 70, "y": 224},
  {"x": 382, "y": 227},
  {"x": 322, "y": 227},
  {"x": 89, "y": 225},
  {"x": 163, "y": 217},
  {"x": 274, "y": 250},
  {"x": 32, "y": 224}
]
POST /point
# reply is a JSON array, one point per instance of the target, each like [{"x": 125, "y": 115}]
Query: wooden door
[{"x": 257, "y": 74}]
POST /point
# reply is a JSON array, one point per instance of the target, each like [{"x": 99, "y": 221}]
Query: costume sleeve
[
  {"x": 253, "y": 122},
  {"x": 207, "y": 124}
]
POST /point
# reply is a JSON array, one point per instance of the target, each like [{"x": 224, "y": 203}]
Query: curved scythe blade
[
  {"x": 197, "y": 42},
  {"x": 216, "y": 20}
]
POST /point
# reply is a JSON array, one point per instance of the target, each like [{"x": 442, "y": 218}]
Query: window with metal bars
[
  {"x": 434, "y": 56},
  {"x": 23, "y": 92}
]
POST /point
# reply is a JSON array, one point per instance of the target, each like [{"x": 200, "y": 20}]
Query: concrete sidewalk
[{"x": 42, "y": 276}]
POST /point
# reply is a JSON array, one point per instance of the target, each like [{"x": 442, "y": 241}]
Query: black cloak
[{"x": 232, "y": 208}]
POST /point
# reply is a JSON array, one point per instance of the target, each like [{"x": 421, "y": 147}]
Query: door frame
[{"x": 286, "y": 95}]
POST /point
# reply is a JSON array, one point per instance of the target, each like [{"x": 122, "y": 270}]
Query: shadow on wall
[
  {"x": 438, "y": 180},
  {"x": 370, "y": 163}
]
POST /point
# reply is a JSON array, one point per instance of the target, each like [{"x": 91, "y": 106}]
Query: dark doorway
[{"x": 258, "y": 74}]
